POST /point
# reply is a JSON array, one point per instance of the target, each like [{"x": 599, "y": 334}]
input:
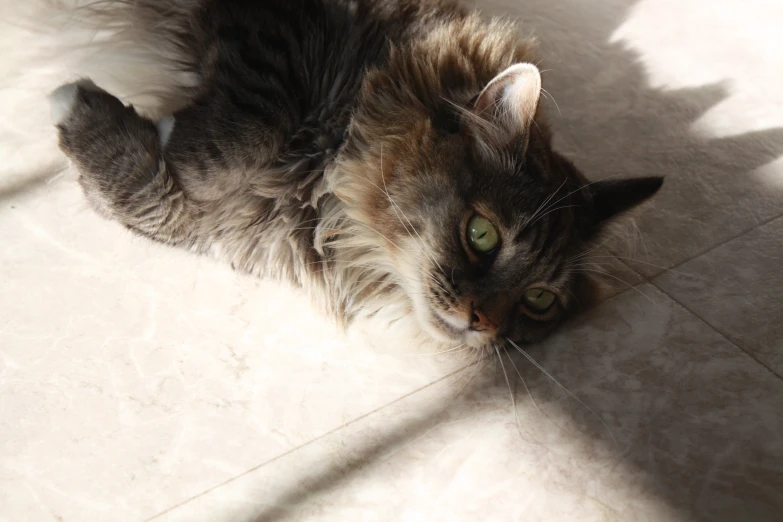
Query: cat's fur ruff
[{"x": 341, "y": 145}]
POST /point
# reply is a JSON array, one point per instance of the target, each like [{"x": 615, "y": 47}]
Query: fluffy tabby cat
[{"x": 388, "y": 155}]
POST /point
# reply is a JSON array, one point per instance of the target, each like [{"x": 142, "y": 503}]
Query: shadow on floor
[
  {"x": 693, "y": 424},
  {"x": 20, "y": 185}
]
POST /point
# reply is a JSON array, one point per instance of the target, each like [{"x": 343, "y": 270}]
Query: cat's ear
[
  {"x": 510, "y": 100},
  {"x": 615, "y": 196}
]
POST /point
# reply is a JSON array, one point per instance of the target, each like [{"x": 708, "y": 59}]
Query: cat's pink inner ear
[{"x": 512, "y": 96}]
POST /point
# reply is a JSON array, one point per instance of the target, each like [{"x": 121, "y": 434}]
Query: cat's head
[{"x": 484, "y": 225}]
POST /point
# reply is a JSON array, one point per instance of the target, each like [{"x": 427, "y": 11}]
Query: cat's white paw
[
  {"x": 63, "y": 98},
  {"x": 165, "y": 126}
]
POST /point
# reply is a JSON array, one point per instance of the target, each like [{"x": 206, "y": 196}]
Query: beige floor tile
[
  {"x": 738, "y": 289},
  {"x": 133, "y": 376},
  {"x": 685, "y": 442}
]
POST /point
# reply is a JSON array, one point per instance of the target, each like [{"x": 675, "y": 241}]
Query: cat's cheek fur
[{"x": 412, "y": 266}]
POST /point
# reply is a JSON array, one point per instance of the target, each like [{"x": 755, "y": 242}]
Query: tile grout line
[
  {"x": 706, "y": 251},
  {"x": 649, "y": 280},
  {"x": 721, "y": 333},
  {"x": 334, "y": 430},
  {"x": 311, "y": 441}
]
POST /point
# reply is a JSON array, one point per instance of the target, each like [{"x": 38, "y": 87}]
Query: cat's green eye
[
  {"x": 482, "y": 235},
  {"x": 539, "y": 300}
]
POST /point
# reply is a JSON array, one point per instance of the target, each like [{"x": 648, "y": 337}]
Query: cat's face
[{"x": 485, "y": 224}]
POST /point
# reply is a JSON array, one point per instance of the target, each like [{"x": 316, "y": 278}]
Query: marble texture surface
[
  {"x": 143, "y": 383},
  {"x": 747, "y": 305},
  {"x": 440, "y": 455}
]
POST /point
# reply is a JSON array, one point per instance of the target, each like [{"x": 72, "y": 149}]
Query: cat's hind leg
[{"x": 119, "y": 155}]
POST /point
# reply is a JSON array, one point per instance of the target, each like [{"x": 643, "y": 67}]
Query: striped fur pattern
[{"x": 342, "y": 145}]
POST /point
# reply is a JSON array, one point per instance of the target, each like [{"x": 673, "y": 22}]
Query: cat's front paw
[
  {"x": 63, "y": 99},
  {"x": 116, "y": 151},
  {"x": 95, "y": 127}
]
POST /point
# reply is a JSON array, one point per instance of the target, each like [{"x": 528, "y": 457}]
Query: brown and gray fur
[{"x": 341, "y": 145}]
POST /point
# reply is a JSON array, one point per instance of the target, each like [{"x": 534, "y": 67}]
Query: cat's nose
[{"x": 479, "y": 321}]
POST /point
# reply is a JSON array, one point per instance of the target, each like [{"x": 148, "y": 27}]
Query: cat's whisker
[
  {"x": 511, "y": 360},
  {"x": 549, "y": 212},
  {"x": 553, "y": 100},
  {"x": 536, "y": 124},
  {"x": 387, "y": 281},
  {"x": 397, "y": 208},
  {"x": 357, "y": 264},
  {"x": 582, "y": 187},
  {"x": 479, "y": 363},
  {"x": 469, "y": 354},
  {"x": 332, "y": 261},
  {"x": 587, "y": 252},
  {"x": 589, "y": 261},
  {"x": 458, "y": 347},
  {"x": 423, "y": 244},
  {"x": 304, "y": 228},
  {"x": 566, "y": 390},
  {"x": 570, "y": 292},
  {"x": 541, "y": 411},
  {"x": 384, "y": 237},
  {"x": 510, "y": 391},
  {"x": 632, "y": 259},
  {"x": 432, "y": 278},
  {"x": 473, "y": 117},
  {"x": 306, "y": 220},
  {"x": 591, "y": 266},
  {"x": 373, "y": 280},
  {"x": 437, "y": 283},
  {"x": 640, "y": 238},
  {"x": 345, "y": 218},
  {"x": 632, "y": 287},
  {"x": 541, "y": 206}
]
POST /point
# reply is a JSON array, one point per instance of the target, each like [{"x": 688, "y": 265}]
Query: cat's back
[
  {"x": 304, "y": 55},
  {"x": 285, "y": 77}
]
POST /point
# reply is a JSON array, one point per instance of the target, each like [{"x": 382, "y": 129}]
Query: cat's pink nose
[{"x": 480, "y": 322}]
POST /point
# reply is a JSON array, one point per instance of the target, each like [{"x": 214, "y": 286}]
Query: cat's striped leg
[{"x": 119, "y": 155}]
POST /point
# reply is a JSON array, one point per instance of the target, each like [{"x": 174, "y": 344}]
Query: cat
[{"x": 386, "y": 155}]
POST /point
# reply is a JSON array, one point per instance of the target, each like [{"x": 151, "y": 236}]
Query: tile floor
[{"x": 141, "y": 383}]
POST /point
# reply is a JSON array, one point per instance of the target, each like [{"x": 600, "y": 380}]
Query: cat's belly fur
[{"x": 279, "y": 97}]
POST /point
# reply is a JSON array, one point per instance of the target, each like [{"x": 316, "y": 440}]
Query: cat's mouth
[
  {"x": 444, "y": 324},
  {"x": 447, "y": 318},
  {"x": 453, "y": 329}
]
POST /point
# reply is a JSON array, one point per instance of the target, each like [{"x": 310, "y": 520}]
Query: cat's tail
[{"x": 144, "y": 51}]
